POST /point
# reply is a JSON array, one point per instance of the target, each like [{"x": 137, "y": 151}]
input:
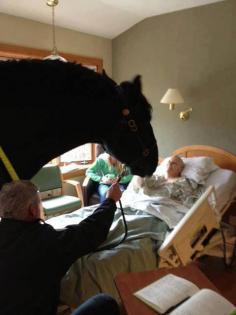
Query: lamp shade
[
  {"x": 55, "y": 56},
  {"x": 172, "y": 96}
]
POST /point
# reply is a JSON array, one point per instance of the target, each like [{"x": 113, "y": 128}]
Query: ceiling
[{"x": 106, "y": 18}]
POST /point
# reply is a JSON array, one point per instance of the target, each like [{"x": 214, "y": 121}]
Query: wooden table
[{"x": 128, "y": 283}]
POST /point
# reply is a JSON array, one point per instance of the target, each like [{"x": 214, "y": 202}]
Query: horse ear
[{"x": 137, "y": 83}]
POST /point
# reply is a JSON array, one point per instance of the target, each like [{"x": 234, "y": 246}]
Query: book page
[
  {"x": 166, "y": 292},
  {"x": 205, "y": 302}
]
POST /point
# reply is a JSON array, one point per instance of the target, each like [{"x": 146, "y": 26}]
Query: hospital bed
[
  {"x": 199, "y": 231},
  {"x": 150, "y": 244}
]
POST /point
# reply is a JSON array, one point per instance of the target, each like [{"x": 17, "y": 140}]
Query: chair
[
  {"x": 55, "y": 191},
  {"x": 89, "y": 187},
  {"x": 90, "y": 195}
]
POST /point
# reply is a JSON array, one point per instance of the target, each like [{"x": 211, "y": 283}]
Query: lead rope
[
  {"x": 9, "y": 167},
  {"x": 115, "y": 244}
]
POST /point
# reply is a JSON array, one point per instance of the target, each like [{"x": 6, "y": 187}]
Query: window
[{"x": 83, "y": 154}]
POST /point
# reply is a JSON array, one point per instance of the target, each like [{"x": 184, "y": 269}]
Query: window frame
[{"x": 20, "y": 52}]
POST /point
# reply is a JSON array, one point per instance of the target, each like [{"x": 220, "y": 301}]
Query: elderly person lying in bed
[{"x": 168, "y": 182}]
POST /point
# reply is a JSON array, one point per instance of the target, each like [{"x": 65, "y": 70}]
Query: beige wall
[
  {"x": 194, "y": 50},
  {"x": 23, "y": 32}
]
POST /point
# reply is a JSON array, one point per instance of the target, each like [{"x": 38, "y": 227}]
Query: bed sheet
[
  {"x": 93, "y": 273},
  {"x": 140, "y": 224},
  {"x": 169, "y": 201}
]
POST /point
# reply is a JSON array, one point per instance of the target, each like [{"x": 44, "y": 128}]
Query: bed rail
[{"x": 192, "y": 234}]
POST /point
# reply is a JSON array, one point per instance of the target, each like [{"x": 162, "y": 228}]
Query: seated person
[
  {"x": 105, "y": 170},
  {"x": 168, "y": 182}
]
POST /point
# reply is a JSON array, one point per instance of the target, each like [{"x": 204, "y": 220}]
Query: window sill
[{"x": 75, "y": 170}]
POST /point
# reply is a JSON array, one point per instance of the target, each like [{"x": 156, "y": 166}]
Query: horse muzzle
[{"x": 145, "y": 165}]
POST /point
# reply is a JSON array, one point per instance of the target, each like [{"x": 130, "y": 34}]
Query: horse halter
[{"x": 133, "y": 126}]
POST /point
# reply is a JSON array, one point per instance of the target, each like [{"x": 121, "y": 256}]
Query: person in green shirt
[{"x": 105, "y": 171}]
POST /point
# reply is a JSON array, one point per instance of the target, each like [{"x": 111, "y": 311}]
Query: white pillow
[
  {"x": 196, "y": 168},
  {"x": 160, "y": 170}
]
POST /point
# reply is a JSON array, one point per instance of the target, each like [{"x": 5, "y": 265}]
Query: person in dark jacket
[{"x": 34, "y": 256}]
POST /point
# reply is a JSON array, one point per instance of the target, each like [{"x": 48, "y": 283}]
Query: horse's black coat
[{"x": 49, "y": 107}]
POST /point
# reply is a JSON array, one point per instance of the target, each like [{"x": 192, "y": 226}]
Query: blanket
[
  {"x": 169, "y": 201},
  {"x": 95, "y": 272}
]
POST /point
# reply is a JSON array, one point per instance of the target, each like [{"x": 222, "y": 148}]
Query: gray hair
[{"x": 16, "y": 198}]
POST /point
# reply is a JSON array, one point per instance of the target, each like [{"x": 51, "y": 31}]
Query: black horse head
[
  {"x": 132, "y": 140},
  {"x": 55, "y": 106}
]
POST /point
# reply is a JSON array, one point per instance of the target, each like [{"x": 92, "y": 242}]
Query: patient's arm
[
  {"x": 137, "y": 182},
  {"x": 154, "y": 181}
]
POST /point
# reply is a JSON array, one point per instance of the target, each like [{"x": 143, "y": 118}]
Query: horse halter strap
[{"x": 132, "y": 123}]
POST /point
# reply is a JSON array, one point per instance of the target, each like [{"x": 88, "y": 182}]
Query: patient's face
[{"x": 174, "y": 167}]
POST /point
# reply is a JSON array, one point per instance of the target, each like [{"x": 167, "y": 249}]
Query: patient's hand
[{"x": 138, "y": 181}]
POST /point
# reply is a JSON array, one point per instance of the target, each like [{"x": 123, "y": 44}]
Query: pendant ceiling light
[{"x": 54, "y": 55}]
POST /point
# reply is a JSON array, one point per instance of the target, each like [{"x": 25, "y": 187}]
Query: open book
[{"x": 178, "y": 296}]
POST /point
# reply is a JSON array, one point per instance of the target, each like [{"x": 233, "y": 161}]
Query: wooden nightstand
[{"x": 128, "y": 283}]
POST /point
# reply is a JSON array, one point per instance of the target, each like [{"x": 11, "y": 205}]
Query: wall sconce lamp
[
  {"x": 172, "y": 97},
  {"x": 185, "y": 114}
]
